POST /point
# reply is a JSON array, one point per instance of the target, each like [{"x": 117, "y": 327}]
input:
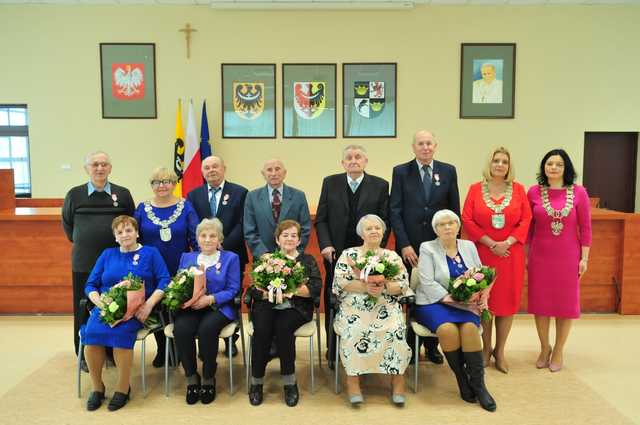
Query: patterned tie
[
  {"x": 354, "y": 185},
  {"x": 426, "y": 181},
  {"x": 213, "y": 202},
  {"x": 275, "y": 205}
]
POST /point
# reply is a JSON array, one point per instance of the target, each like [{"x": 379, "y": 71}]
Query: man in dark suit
[
  {"x": 420, "y": 188},
  {"x": 344, "y": 199},
  {"x": 267, "y": 206},
  {"x": 224, "y": 200}
]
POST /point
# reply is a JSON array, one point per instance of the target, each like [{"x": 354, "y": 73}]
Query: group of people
[{"x": 213, "y": 227}]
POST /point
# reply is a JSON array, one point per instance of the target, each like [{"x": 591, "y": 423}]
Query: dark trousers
[
  {"x": 79, "y": 279},
  {"x": 270, "y": 324},
  {"x": 205, "y": 324},
  {"x": 329, "y": 269}
]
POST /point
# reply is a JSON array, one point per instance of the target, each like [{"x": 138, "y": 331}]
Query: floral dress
[{"x": 372, "y": 333}]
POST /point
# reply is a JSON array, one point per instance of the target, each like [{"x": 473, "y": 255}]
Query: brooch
[
  {"x": 136, "y": 257},
  {"x": 115, "y": 199},
  {"x": 218, "y": 266},
  {"x": 225, "y": 200},
  {"x": 436, "y": 177}
]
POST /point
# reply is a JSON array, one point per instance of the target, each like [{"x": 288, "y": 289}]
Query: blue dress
[
  {"x": 183, "y": 232},
  {"x": 434, "y": 315},
  {"x": 111, "y": 267}
]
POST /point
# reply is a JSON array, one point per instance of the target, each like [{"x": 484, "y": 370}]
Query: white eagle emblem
[{"x": 128, "y": 80}]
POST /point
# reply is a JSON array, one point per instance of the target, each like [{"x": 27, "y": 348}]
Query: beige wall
[{"x": 577, "y": 70}]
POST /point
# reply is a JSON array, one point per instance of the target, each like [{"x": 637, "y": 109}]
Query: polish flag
[{"x": 192, "y": 174}]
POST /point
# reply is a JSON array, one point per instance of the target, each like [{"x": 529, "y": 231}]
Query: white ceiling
[{"x": 320, "y": 3}]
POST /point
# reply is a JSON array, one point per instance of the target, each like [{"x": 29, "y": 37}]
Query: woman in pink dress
[
  {"x": 559, "y": 243},
  {"x": 496, "y": 217}
]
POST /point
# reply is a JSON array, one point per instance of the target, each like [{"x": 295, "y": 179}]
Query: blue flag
[{"x": 205, "y": 147}]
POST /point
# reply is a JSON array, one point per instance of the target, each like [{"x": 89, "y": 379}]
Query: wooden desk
[{"x": 35, "y": 263}]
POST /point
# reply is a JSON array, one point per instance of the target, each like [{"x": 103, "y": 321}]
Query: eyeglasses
[
  {"x": 156, "y": 183},
  {"x": 99, "y": 164}
]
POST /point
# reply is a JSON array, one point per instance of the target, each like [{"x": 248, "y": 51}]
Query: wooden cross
[{"x": 187, "y": 30}]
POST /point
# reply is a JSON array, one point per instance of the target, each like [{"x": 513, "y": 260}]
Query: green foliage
[
  {"x": 179, "y": 290},
  {"x": 277, "y": 269}
]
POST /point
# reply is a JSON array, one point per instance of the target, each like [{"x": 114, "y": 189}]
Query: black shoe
[
  {"x": 119, "y": 400},
  {"x": 234, "y": 349},
  {"x": 434, "y": 356},
  {"x": 255, "y": 395},
  {"x": 95, "y": 400},
  {"x": 475, "y": 368},
  {"x": 208, "y": 393},
  {"x": 456, "y": 363},
  {"x": 291, "y": 395},
  {"x": 158, "y": 360},
  {"x": 193, "y": 393},
  {"x": 83, "y": 366}
]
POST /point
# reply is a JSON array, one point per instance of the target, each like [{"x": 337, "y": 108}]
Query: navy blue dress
[
  {"x": 183, "y": 232},
  {"x": 434, "y": 315},
  {"x": 112, "y": 266}
]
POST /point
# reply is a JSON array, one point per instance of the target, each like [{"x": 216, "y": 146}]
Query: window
[{"x": 14, "y": 146}]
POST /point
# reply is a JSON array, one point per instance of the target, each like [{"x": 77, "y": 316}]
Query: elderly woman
[
  {"x": 559, "y": 244},
  {"x": 210, "y": 313},
  {"x": 455, "y": 324},
  {"x": 496, "y": 217},
  {"x": 280, "y": 321},
  {"x": 369, "y": 320},
  {"x": 112, "y": 266},
  {"x": 169, "y": 224}
]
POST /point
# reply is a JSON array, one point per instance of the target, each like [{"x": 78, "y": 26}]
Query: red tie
[{"x": 275, "y": 205}]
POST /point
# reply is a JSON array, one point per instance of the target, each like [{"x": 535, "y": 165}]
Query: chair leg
[
  {"x": 244, "y": 352},
  {"x": 166, "y": 367},
  {"x": 319, "y": 341},
  {"x": 416, "y": 357},
  {"x": 80, "y": 349},
  {"x": 337, "y": 364},
  {"x": 144, "y": 382},
  {"x": 229, "y": 351},
  {"x": 313, "y": 386},
  {"x": 248, "y": 368}
]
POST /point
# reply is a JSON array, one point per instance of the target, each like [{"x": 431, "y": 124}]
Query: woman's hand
[
  {"x": 582, "y": 267},
  {"x": 377, "y": 279},
  {"x": 447, "y": 299},
  {"x": 203, "y": 302},
  {"x": 143, "y": 312},
  {"x": 374, "y": 289},
  {"x": 501, "y": 249}
]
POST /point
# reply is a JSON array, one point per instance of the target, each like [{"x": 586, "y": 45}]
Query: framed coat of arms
[
  {"x": 309, "y": 100},
  {"x": 248, "y": 101},
  {"x": 128, "y": 80},
  {"x": 369, "y": 99}
]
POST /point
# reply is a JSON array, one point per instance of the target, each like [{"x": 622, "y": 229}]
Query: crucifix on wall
[{"x": 187, "y": 30}]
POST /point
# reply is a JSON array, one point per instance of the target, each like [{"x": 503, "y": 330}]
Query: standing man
[
  {"x": 344, "y": 199},
  {"x": 420, "y": 188},
  {"x": 224, "y": 200},
  {"x": 267, "y": 206},
  {"x": 87, "y": 214}
]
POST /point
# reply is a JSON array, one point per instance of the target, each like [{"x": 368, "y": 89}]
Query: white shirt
[
  {"x": 218, "y": 194},
  {"x": 487, "y": 93},
  {"x": 421, "y": 170},
  {"x": 358, "y": 180}
]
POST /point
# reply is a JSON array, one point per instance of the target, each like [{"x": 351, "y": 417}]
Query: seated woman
[
  {"x": 112, "y": 266},
  {"x": 279, "y": 321},
  {"x": 372, "y": 332},
  {"x": 210, "y": 313},
  {"x": 455, "y": 324}
]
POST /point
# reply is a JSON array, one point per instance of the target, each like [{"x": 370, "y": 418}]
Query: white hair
[
  {"x": 369, "y": 217},
  {"x": 353, "y": 148},
  {"x": 442, "y": 214},
  {"x": 87, "y": 159}
]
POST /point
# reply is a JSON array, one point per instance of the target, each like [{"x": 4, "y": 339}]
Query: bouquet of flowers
[
  {"x": 472, "y": 286},
  {"x": 121, "y": 302},
  {"x": 373, "y": 265},
  {"x": 184, "y": 289},
  {"x": 278, "y": 275}
]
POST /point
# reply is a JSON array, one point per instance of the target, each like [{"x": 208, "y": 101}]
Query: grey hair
[
  {"x": 219, "y": 158},
  {"x": 369, "y": 217},
  {"x": 211, "y": 224},
  {"x": 433, "y": 135},
  {"x": 354, "y": 148},
  {"x": 439, "y": 215},
  {"x": 87, "y": 159}
]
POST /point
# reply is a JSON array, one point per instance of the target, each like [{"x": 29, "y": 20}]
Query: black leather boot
[
  {"x": 456, "y": 363},
  {"x": 475, "y": 368}
]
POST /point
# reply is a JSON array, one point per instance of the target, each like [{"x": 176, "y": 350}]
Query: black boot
[
  {"x": 456, "y": 363},
  {"x": 475, "y": 368}
]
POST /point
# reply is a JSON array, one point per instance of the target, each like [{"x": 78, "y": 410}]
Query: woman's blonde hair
[
  {"x": 486, "y": 172},
  {"x": 163, "y": 173},
  {"x": 211, "y": 224}
]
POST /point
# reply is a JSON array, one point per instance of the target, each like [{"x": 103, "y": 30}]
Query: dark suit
[
  {"x": 332, "y": 219},
  {"x": 411, "y": 214},
  {"x": 230, "y": 212}
]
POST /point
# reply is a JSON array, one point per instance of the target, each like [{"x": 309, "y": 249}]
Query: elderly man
[
  {"x": 344, "y": 199},
  {"x": 487, "y": 89},
  {"x": 419, "y": 188},
  {"x": 224, "y": 200},
  {"x": 265, "y": 207},
  {"x": 87, "y": 214}
]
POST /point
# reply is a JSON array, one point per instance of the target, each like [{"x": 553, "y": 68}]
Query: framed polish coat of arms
[
  {"x": 248, "y": 101},
  {"x": 309, "y": 100},
  {"x": 369, "y": 99}
]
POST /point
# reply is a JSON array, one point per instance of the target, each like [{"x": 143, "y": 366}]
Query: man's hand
[
  {"x": 328, "y": 253},
  {"x": 409, "y": 255}
]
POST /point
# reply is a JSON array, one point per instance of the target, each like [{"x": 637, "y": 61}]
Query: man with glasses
[{"x": 87, "y": 214}]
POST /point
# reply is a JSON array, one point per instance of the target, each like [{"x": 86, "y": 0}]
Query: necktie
[
  {"x": 354, "y": 185},
  {"x": 275, "y": 205},
  {"x": 426, "y": 181},
  {"x": 213, "y": 201}
]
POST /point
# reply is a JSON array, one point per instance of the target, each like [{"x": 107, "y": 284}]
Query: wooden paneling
[
  {"x": 7, "y": 190},
  {"x": 39, "y": 202}
]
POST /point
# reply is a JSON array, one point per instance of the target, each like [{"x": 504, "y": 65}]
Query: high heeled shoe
[
  {"x": 555, "y": 367},
  {"x": 356, "y": 400},
  {"x": 501, "y": 366},
  {"x": 544, "y": 363}
]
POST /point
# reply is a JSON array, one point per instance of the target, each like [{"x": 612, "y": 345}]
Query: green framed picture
[
  {"x": 487, "y": 80},
  {"x": 309, "y": 100},
  {"x": 248, "y": 100},
  {"x": 128, "y": 80},
  {"x": 369, "y": 99}
]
